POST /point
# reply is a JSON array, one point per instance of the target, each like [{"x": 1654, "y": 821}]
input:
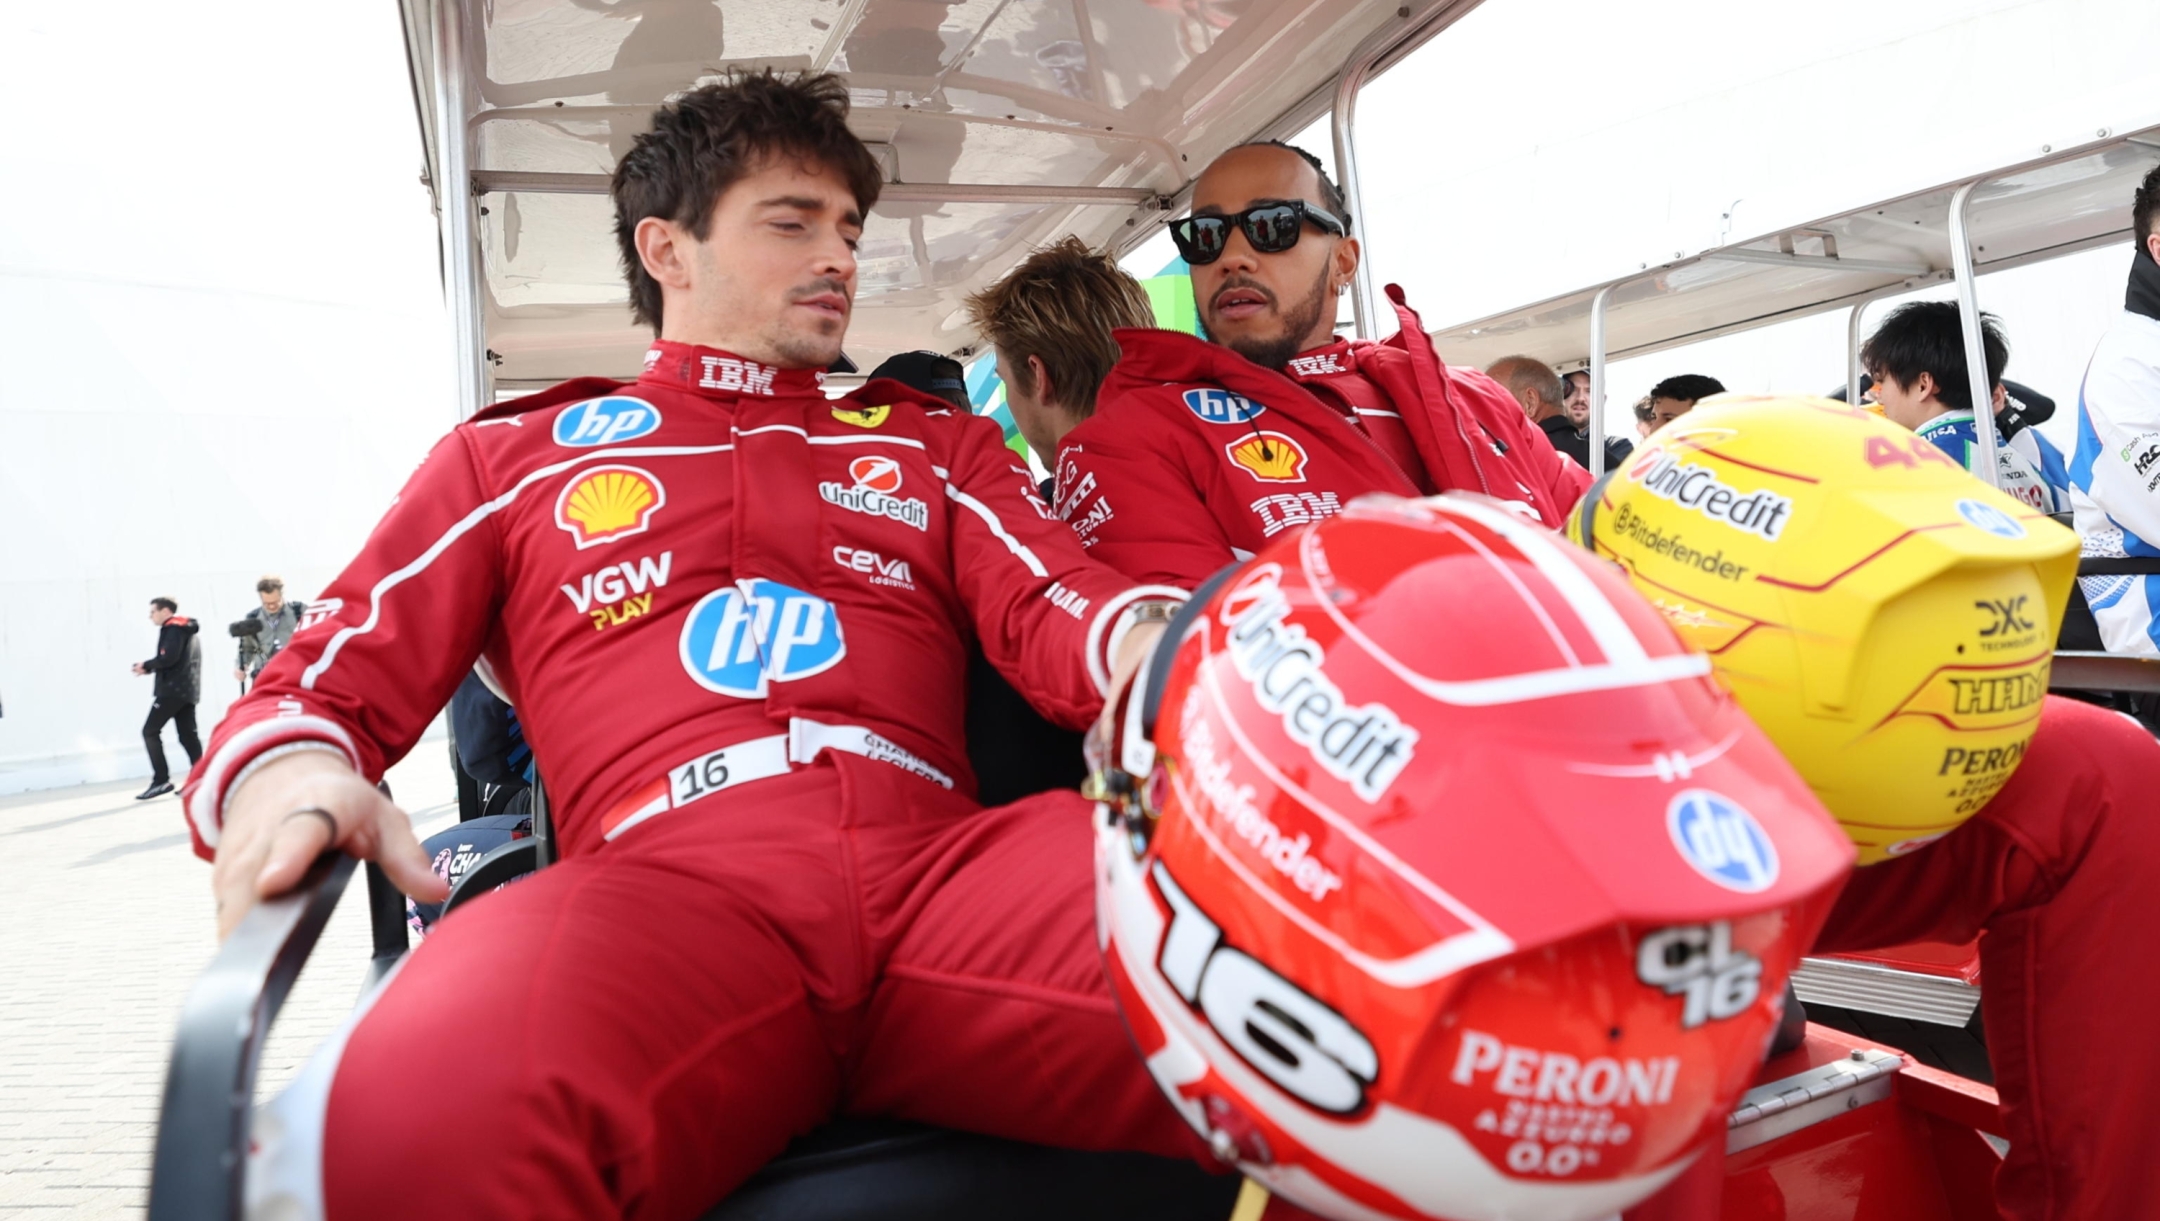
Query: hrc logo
[
  {"x": 605, "y": 421},
  {"x": 607, "y": 503},
  {"x": 1722, "y": 841},
  {"x": 1269, "y": 457},
  {"x": 740, "y": 638},
  {"x": 1221, "y": 406}
]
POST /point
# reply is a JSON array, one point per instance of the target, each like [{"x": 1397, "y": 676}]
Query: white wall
[{"x": 221, "y": 340}]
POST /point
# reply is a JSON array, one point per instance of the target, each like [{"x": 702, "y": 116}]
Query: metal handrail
[{"x": 198, "y": 1170}]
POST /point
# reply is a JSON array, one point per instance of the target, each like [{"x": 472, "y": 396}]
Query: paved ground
[{"x": 104, "y": 922}]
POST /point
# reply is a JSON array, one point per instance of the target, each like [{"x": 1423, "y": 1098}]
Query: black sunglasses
[{"x": 1271, "y": 228}]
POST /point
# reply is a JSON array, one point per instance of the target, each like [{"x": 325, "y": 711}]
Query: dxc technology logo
[{"x": 740, "y": 638}]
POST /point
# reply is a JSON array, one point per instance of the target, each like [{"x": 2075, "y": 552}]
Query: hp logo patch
[
  {"x": 1991, "y": 519},
  {"x": 605, "y": 421},
  {"x": 1221, "y": 406},
  {"x": 738, "y": 639},
  {"x": 1722, "y": 841}
]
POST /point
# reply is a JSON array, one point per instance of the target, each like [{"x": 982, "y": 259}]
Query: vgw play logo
[{"x": 739, "y": 639}]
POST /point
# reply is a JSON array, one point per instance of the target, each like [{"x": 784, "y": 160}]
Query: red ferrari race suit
[
  {"x": 1196, "y": 456},
  {"x": 734, "y": 617}
]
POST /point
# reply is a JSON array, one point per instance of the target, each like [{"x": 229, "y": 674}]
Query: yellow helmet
[{"x": 1887, "y": 618}]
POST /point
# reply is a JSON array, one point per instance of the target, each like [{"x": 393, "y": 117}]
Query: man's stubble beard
[
  {"x": 1299, "y": 320},
  {"x": 808, "y": 350}
]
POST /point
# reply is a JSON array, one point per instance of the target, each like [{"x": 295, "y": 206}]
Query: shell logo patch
[
  {"x": 1269, "y": 457},
  {"x": 865, "y": 417},
  {"x": 876, "y": 472},
  {"x": 607, "y": 503}
]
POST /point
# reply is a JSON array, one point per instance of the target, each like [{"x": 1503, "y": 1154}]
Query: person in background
[
  {"x": 1202, "y": 449},
  {"x": 1916, "y": 359},
  {"x": 2115, "y": 470},
  {"x": 1577, "y": 400},
  {"x": 279, "y": 619},
  {"x": 933, "y": 373},
  {"x": 173, "y": 693},
  {"x": 1050, "y": 320},
  {"x": 1546, "y": 397},
  {"x": 1672, "y": 398},
  {"x": 1645, "y": 422}
]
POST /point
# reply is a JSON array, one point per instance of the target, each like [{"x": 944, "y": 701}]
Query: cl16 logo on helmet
[
  {"x": 1221, "y": 406},
  {"x": 1698, "y": 488},
  {"x": 738, "y": 639},
  {"x": 605, "y": 421},
  {"x": 1364, "y": 746},
  {"x": 1722, "y": 841},
  {"x": 1984, "y": 516},
  {"x": 1698, "y": 961}
]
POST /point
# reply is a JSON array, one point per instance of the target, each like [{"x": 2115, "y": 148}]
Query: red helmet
[{"x": 1441, "y": 880}]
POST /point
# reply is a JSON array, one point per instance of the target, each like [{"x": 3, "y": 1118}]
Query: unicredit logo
[
  {"x": 1698, "y": 488},
  {"x": 876, "y": 478},
  {"x": 1364, "y": 746}
]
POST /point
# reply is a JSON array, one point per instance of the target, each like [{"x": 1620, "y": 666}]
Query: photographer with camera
[{"x": 265, "y": 630}]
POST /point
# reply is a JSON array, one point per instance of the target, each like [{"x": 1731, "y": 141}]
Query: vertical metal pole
[
  {"x": 1976, "y": 374},
  {"x": 1853, "y": 370},
  {"x": 454, "y": 197},
  {"x": 1597, "y": 381},
  {"x": 1364, "y": 302}
]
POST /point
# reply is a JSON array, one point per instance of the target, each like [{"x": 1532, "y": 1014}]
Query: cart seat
[{"x": 888, "y": 1170}]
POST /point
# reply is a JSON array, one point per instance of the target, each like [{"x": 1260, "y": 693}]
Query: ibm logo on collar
[
  {"x": 1309, "y": 366},
  {"x": 742, "y": 376}
]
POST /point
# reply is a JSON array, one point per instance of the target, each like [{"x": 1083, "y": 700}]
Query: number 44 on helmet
[{"x": 1439, "y": 879}]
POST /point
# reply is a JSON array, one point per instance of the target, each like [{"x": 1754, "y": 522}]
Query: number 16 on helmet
[{"x": 1437, "y": 879}]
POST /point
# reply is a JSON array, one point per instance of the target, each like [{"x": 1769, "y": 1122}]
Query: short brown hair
[
  {"x": 703, "y": 142},
  {"x": 269, "y": 585},
  {"x": 1060, "y": 307}
]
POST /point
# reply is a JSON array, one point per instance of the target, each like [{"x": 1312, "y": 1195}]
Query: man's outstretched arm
[
  {"x": 290, "y": 771},
  {"x": 1138, "y": 512}
]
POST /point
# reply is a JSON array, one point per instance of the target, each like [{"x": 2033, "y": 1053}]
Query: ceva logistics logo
[
  {"x": 605, "y": 421},
  {"x": 742, "y": 637},
  {"x": 1722, "y": 841}
]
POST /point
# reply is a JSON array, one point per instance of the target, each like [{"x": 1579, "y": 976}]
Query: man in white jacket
[{"x": 2115, "y": 473}]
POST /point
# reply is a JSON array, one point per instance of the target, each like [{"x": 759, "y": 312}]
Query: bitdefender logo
[
  {"x": 1367, "y": 746},
  {"x": 1698, "y": 488}
]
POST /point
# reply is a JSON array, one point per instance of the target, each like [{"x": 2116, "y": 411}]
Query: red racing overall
[
  {"x": 1196, "y": 456},
  {"x": 734, "y": 618}
]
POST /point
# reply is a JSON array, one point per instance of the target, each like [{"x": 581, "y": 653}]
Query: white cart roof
[
  {"x": 2053, "y": 206},
  {"x": 1002, "y": 124}
]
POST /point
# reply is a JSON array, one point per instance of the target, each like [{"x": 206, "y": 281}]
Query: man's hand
[
  {"x": 292, "y": 811},
  {"x": 239, "y": 675},
  {"x": 138, "y": 668}
]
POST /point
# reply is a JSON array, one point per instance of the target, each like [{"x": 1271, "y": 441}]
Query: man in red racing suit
[
  {"x": 1157, "y": 485},
  {"x": 1201, "y": 451},
  {"x": 734, "y": 617}
]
